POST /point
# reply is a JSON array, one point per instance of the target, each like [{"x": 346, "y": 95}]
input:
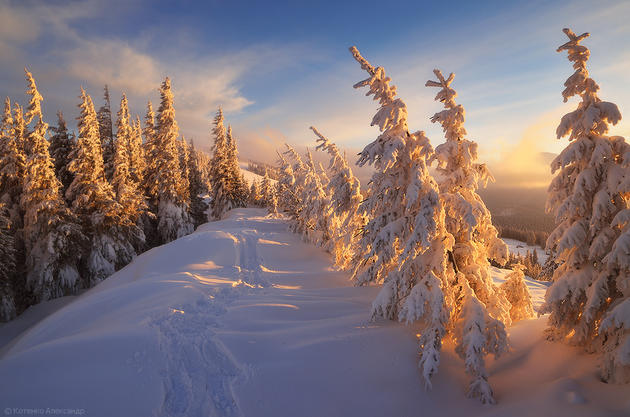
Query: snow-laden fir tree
[
  {"x": 237, "y": 184},
  {"x": 172, "y": 212},
  {"x": 151, "y": 153},
  {"x": 126, "y": 189},
  {"x": 272, "y": 202},
  {"x": 137, "y": 161},
  {"x": 404, "y": 243},
  {"x": 198, "y": 189},
  {"x": 61, "y": 145},
  {"x": 111, "y": 234},
  {"x": 316, "y": 212},
  {"x": 254, "y": 194},
  {"x": 288, "y": 200},
  {"x": 106, "y": 133},
  {"x": 482, "y": 309},
  {"x": 467, "y": 218},
  {"x": 7, "y": 268},
  {"x": 52, "y": 238},
  {"x": 265, "y": 189},
  {"x": 589, "y": 196},
  {"x": 517, "y": 294},
  {"x": 184, "y": 161},
  {"x": 220, "y": 170},
  {"x": 12, "y": 163},
  {"x": 344, "y": 190},
  {"x": 299, "y": 174}
]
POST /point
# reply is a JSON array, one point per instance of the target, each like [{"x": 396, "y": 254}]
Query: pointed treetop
[
  {"x": 447, "y": 94},
  {"x": 574, "y": 40},
  {"x": 7, "y": 118},
  {"x": 365, "y": 65},
  {"x": 61, "y": 122},
  {"x": 34, "y": 105}
]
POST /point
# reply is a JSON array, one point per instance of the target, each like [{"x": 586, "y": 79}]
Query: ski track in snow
[
  {"x": 199, "y": 370},
  {"x": 249, "y": 261}
]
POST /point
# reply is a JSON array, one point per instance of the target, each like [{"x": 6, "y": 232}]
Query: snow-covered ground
[{"x": 241, "y": 318}]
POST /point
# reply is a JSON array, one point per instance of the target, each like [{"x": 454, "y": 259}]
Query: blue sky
[{"x": 279, "y": 67}]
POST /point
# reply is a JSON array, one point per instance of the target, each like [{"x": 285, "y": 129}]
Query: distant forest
[{"x": 519, "y": 213}]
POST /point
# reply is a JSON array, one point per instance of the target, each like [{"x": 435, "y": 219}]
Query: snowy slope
[
  {"x": 521, "y": 248},
  {"x": 251, "y": 176},
  {"x": 241, "y": 318}
]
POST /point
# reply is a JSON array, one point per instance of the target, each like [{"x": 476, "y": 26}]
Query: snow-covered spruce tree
[
  {"x": 467, "y": 218},
  {"x": 126, "y": 189},
  {"x": 254, "y": 193},
  {"x": 344, "y": 190},
  {"x": 148, "y": 221},
  {"x": 12, "y": 163},
  {"x": 404, "y": 244},
  {"x": 197, "y": 188},
  {"x": 61, "y": 145},
  {"x": 173, "y": 217},
  {"x": 151, "y": 153},
  {"x": 221, "y": 170},
  {"x": 517, "y": 294},
  {"x": 272, "y": 202},
  {"x": 184, "y": 156},
  {"x": 110, "y": 232},
  {"x": 265, "y": 189},
  {"x": 137, "y": 161},
  {"x": 317, "y": 212},
  {"x": 299, "y": 172},
  {"x": 106, "y": 133},
  {"x": 288, "y": 200},
  {"x": 589, "y": 300},
  {"x": 476, "y": 240},
  {"x": 237, "y": 185},
  {"x": 7, "y": 268},
  {"x": 52, "y": 238}
]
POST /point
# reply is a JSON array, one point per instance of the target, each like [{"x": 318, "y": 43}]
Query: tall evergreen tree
[
  {"x": 469, "y": 222},
  {"x": 589, "y": 300},
  {"x": 52, "y": 237},
  {"x": 198, "y": 206},
  {"x": 127, "y": 190},
  {"x": 151, "y": 153},
  {"x": 407, "y": 246},
  {"x": 288, "y": 200},
  {"x": 7, "y": 268},
  {"x": 265, "y": 188},
  {"x": 12, "y": 163},
  {"x": 219, "y": 169},
  {"x": 106, "y": 133},
  {"x": 236, "y": 184},
  {"x": 173, "y": 218},
  {"x": 111, "y": 234},
  {"x": 137, "y": 161},
  {"x": 61, "y": 146},
  {"x": 298, "y": 176},
  {"x": 184, "y": 162},
  {"x": 345, "y": 198}
]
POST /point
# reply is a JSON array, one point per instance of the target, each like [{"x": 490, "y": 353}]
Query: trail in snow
[{"x": 242, "y": 318}]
